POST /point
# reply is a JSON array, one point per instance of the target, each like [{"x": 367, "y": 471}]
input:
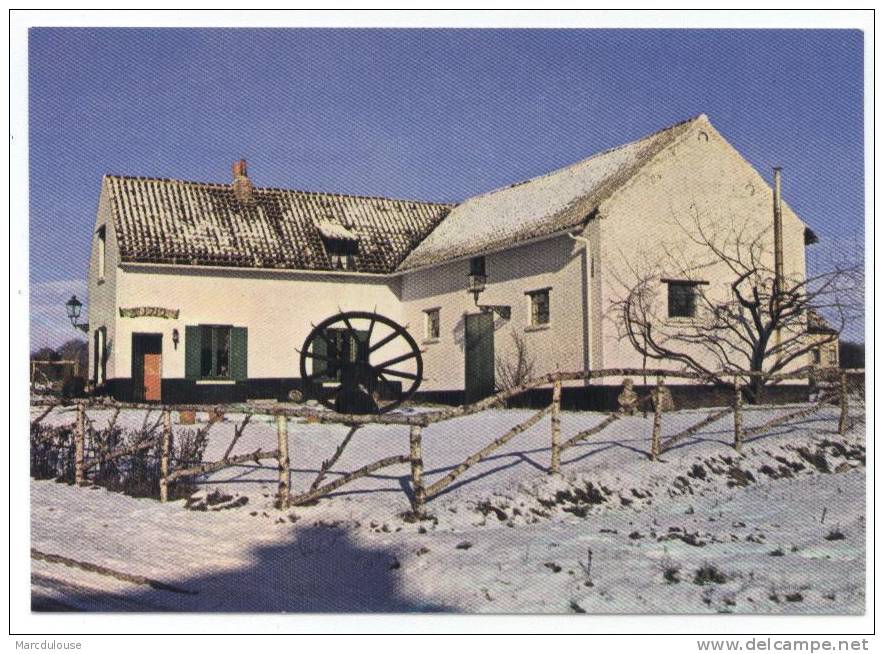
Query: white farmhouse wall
[
  {"x": 701, "y": 174},
  {"x": 557, "y": 263},
  {"x": 276, "y": 308},
  {"x": 101, "y": 303}
]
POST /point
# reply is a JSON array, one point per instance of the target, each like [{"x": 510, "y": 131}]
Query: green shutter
[
  {"x": 192, "y": 351},
  {"x": 239, "y": 353},
  {"x": 320, "y": 349}
]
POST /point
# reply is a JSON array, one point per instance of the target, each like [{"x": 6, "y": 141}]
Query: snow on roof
[
  {"x": 194, "y": 223},
  {"x": 540, "y": 206},
  {"x": 335, "y": 231}
]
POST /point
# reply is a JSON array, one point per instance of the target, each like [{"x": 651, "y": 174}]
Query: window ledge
[
  {"x": 537, "y": 328},
  {"x": 682, "y": 321},
  {"x": 430, "y": 341},
  {"x": 228, "y": 382}
]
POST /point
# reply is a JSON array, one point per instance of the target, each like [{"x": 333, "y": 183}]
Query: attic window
[
  {"x": 342, "y": 253},
  {"x": 341, "y": 244}
]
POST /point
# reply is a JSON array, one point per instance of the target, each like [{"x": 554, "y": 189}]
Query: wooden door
[
  {"x": 478, "y": 356},
  {"x": 147, "y": 367},
  {"x": 153, "y": 375}
]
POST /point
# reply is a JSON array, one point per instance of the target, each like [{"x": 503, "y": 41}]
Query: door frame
[
  {"x": 480, "y": 392},
  {"x": 138, "y": 388}
]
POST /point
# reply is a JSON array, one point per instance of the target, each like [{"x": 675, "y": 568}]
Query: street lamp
[
  {"x": 476, "y": 283},
  {"x": 74, "y": 306}
]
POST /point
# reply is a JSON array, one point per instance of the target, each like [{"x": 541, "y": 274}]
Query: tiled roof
[
  {"x": 179, "y": 222},
  {"x": 191, "y": 223},
  {"x": 540, "y": 206}
]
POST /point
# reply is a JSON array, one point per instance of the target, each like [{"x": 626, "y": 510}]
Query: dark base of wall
[
  {"x": 589, "y": 398},
  {"x": 187, "y": 391},
  {"x": 604, "y": 398}
]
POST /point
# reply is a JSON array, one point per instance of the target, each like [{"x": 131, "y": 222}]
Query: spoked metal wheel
[{"x": 360, "y": 362}]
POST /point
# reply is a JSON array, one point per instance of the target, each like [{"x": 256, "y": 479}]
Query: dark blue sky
[{"x": 425, "y": 114}]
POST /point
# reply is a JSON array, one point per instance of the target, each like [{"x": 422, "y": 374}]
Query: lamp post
[
  {"x": 476, "y": 283},
  {"x": 74, "y": 306}
]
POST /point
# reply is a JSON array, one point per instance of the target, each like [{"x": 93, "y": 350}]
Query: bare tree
[
  {"x": 516, "y": 369},
  {"x": 749, "y": 323}
]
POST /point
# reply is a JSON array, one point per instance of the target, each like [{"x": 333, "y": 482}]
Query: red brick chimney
[{"x": 242, "y": 185}]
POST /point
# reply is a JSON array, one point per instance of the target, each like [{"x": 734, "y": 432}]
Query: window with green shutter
[
  {"x": 215, "y": 352},
  {"x": 239, "y": 353},
  {"x": 192, "y": 350}
]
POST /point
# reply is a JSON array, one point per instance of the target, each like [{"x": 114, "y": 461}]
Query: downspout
[
  {"x": 586, "y": 300},
  {"x": 778, "y": 244}
]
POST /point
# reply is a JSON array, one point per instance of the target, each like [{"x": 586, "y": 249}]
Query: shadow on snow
[{"x": 318, "y": 569}]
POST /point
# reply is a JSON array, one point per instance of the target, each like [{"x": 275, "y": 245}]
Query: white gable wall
[
  {"x": 555, "y": 262},
  {"x": 101, "y": 303},
  {"x": 700, "y": 172}
]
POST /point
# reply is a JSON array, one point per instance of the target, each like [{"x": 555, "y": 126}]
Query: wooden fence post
[
  {"x": 842, "y": 419},
  {"x": 282, "y": 433},
  {"x": 80, "y": 445},
  {"x": 417, "y": 470},
  {"x": 658, "y": 419},
  {"x": 165, "y": 449},
  {"x": 738, "y": 413},
  {"x": 556, "y": 427}
]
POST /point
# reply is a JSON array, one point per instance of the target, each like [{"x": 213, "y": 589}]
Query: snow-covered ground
[{"x": 779, "y": 528}]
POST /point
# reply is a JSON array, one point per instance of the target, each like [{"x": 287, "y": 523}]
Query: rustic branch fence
[{"x": 838, "y": 391}]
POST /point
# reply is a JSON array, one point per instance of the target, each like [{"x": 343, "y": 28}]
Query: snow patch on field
[{"x": 777, "y": 528}]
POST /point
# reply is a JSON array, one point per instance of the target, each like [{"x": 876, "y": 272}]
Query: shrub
[
  {"x": 52, "y": 452},
  {"x": 709, "y": 574}
]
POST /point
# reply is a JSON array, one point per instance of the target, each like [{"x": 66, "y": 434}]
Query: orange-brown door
[
  {"x": 147, "y": 367},
  {"x": 153, "y": 375}
]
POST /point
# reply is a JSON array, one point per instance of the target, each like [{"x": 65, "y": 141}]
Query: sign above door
[{"x": 148, "y": 312}]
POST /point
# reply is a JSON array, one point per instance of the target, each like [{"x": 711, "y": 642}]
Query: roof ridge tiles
[{"x": 220, "y": 185}]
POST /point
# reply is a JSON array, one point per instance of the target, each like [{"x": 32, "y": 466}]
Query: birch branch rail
[
  {"x": 776, "y": 422},
  {"x": 425, "y": 419},
  {"x": 690, "y": 431},
  {"x": 435, "y": 487},
  {"x": 364, "y": 471},
  {"x": 586, "y": 433},
  {"x": 120, "y": 452},
  {"x": 237, "y": 432},
  {"x": 36, "y": 421},
  {"x": 328, "y": 463},
  {"x": 204, "y": 468}
]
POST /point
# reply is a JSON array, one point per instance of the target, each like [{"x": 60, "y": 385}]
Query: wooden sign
[{"x": 148, "y": 312}]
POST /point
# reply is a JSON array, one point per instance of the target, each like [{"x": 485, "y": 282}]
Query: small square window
[
  {"x": 539, "y": 307},
  {"x": 682, "y": 299},
  {"x": 431, "y": 324}
]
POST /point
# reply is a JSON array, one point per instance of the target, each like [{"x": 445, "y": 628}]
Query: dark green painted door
[{"x": 479, "y": 356}]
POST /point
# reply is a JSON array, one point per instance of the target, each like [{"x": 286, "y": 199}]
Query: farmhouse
[{"x": 207, "y": 292}]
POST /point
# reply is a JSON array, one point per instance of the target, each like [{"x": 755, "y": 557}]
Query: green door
[{"x": 479, "y": 356}]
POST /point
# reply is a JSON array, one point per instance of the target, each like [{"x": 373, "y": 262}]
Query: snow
[
  {"x": 335, "y": 231},
  {"x": 539, "y": 206},
  {"x": 505, "y": 537}
]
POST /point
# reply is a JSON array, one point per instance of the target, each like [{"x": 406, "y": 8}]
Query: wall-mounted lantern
[
  {"x": 175, "y": 337},
  {"x": 476, "y": 282},
  {"x": 74, "y": 307}
]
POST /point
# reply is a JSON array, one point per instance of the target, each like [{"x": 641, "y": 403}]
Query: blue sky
[{"x": 426, "y": 114}]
